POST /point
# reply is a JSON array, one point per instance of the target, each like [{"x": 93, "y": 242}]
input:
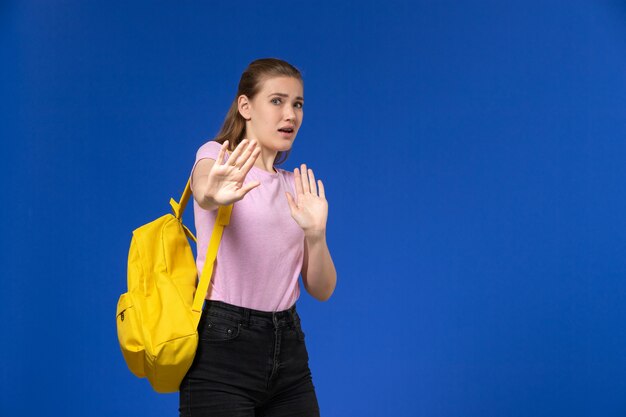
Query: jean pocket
[{"x": 219, "y": 329}]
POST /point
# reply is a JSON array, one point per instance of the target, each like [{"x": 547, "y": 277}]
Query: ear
[{"x": 243, "y": 105}]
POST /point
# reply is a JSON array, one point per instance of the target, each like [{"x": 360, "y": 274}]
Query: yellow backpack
[{"x": 157, "y": 319}]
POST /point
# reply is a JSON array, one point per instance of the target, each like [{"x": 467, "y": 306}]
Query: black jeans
[{"x": 249, "y": 363}]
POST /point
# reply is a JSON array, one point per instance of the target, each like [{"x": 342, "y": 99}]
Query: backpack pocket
[{"x": 129, "y": 335}]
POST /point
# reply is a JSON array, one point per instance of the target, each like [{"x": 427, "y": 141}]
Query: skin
[
  {"x": 221, "y": 182},
  {"x": 266, "y": 113}
]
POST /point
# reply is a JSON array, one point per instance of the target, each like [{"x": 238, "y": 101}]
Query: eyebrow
[{"x": 285, "y": 95}]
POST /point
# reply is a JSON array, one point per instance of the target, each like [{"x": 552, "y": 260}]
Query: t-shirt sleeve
[{"x": 209, "y": 150}]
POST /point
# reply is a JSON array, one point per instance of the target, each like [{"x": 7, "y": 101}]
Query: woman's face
[{"x": 278, "y": 105}]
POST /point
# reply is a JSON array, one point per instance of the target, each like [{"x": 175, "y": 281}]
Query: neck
[{"x": 265, "y": 160}]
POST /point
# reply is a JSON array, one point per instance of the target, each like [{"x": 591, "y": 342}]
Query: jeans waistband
[{"x": 244, "y": 313}]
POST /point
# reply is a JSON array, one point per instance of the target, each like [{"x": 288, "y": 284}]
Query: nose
[{"x": 291, "y": 116}]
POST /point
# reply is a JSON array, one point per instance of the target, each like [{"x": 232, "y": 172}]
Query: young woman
[{"x": 252, "y": 358}]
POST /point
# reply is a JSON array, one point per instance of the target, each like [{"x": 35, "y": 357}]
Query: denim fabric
[{"x": 249, "y": 363}]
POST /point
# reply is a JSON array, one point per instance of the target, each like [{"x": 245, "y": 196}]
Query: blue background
[{"x": 473, "y": 154}]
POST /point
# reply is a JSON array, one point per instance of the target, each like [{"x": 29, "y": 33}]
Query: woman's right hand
[{"x": 225, "y": 182}]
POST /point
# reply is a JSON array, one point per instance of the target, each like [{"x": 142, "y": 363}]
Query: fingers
[
  {"x": 222, "y": 152},
  {"x": 247, "y": 187},
  {"x": 298, "y": 181},
  {"x": 251, "y": 158},
  {"x": 235, "y": 159},
  {"x": 292, "y": 204},
  {"x": 312, "y": 185},
  {"x": 322, "y": 192},
  {"x": 306, "y": 178}
]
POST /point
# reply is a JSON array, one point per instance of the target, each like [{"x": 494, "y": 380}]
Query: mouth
[{"x": 286, "y": 131}]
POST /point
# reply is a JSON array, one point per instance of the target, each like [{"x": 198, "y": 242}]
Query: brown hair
[{"x": 234, "y": 126}]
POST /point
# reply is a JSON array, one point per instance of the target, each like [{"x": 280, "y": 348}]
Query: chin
[{"x": 284, "y": 146}]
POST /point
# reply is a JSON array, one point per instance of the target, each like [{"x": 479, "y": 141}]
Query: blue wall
[{"x": 473, "y": 155}]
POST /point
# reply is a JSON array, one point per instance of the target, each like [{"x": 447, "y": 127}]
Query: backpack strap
[
  {"x": 179, "y": 208},
  {"x": 223, "y": 218}
]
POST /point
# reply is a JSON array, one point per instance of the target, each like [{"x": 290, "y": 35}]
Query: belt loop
[{"x": 246, "y": 317}]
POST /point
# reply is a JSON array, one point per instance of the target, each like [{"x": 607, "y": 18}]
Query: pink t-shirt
[{"x": 260, "y": 256}]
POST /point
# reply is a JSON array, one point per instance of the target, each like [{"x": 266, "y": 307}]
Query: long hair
[{"x": 234, "y": 127}]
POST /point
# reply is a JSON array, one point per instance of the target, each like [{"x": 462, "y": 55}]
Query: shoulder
[
  {"x": 289, "y": 178},
  {"x": 287, "y": 174},
  {"x": 285, "y": 171},
  {"x": 209, "y": 149}
]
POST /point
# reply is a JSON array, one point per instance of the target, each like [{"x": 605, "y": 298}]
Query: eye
[{"x": 299, "y": 103}]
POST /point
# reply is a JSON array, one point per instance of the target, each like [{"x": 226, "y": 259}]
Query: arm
[
  {"x": 199, "y": 179},
  {"x": 310, "y": 211},
  {"x": 318, "y": 270}
]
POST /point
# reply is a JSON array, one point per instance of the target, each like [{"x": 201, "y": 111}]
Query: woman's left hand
[{"x": 309, "y": 210}]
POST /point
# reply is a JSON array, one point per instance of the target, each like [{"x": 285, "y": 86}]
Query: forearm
[
  {"x": 321, "y": 276},
  {"x": 204, "y": 201}
]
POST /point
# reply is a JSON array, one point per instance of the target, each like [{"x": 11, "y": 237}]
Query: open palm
[
  {"x": 309, "y": 209},
  {"x": 226, "y": 178}
]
